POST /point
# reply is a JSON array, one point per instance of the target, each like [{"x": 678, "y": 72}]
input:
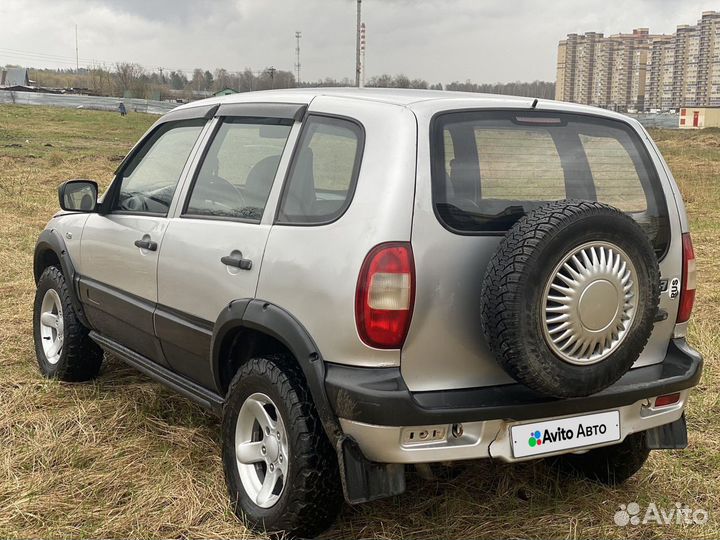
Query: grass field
[{"x": 124, "y": 458}]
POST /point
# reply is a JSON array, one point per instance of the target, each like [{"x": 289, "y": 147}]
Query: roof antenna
[{"x": 534, "y": 103}]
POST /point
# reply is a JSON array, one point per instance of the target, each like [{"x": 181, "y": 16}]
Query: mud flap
[
  {"x": 668, "y": 437},
  {"x": 364, "y": 480}
]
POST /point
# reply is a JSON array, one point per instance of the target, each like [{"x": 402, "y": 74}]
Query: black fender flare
[
  {"x": 50, "y": 240},
  {"x": 281, "y": 325}
]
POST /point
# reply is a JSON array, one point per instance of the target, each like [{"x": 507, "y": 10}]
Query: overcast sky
[{"x": 438, "y": 40}]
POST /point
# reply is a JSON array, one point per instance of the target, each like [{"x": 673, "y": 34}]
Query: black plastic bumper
[{"x": 379, "y": 395}]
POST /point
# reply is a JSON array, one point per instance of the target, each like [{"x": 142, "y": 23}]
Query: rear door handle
[
  {"x": 146, "y": 244},
  {"x": 236, "y": 259}
]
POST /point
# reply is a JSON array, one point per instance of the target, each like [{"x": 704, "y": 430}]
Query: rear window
[{"x": 491, "y": 168}]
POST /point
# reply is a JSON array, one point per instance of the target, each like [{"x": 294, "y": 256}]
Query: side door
[
  {"x": 119, "y": 245},
  {"x": 214, "y": 244}
]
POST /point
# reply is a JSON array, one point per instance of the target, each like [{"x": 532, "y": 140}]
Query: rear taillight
[
  {"x": 385, "y": 295},
  {"x": 687, "y": 289}
]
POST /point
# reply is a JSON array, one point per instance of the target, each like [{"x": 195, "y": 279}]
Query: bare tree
[
  {"x": 398, "y": 81},
  {"x": 198, "y": 80},
  {"x": 538, "y": 89},
  {"x": 128, "y": 75},
  {"x": 401, "y": 81},
  {"x": 99, "y": 80},
  {"x": 247, "y": 82},
  {"x": 222, "y": 80},
  {"x": 381, "y": 81}
]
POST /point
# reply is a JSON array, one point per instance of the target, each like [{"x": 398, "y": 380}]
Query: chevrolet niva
[{"x": 358, "y": 280}]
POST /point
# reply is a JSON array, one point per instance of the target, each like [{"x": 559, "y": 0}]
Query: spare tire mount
[{"x": 570, "y": 297}]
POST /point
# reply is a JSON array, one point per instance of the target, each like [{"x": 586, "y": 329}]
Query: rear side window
[
  {"x": 324, "y": 171},
  {"x": 491, "y": 168}
]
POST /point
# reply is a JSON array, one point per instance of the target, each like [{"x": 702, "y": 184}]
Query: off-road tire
[
  {"x": 81, "y": 358},
  {"x": 312, "y": 497},
  {"x": 513, "y": 288},
  {"x": 609, "y": 465}
]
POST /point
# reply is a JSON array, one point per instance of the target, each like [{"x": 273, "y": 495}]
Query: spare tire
[{"x": 570, "y": 297}]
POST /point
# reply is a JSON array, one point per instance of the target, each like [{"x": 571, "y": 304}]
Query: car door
[
  {"x": 214, "y": 245},
  {"x": 119, "y": 244}
]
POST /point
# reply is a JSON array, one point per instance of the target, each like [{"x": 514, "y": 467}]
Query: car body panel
[
  {"x": 191, "y": 277},
  {"x": 110, "y": 256},
  {"x": 445, "y": 347},
  {"x": 312, "y": 271},
  {"x": 70, "y": 225}
]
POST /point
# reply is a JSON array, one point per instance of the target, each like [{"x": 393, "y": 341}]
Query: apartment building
[
  {"x": 604, "y": 71},
  {"x": 661, "y": 73},
  {"x": 641, "y": 70}
]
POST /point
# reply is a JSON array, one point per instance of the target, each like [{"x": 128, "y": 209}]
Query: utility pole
[
  {"x": 77, "y": 53},
  {"x": 357, "y": 44},
  {"x": 362, "y": 59},
  {"x": 298, "y": 35}
]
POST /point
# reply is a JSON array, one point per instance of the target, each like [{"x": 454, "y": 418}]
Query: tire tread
[
  {"x": 315, "y": 498},
  {"x": 512, "y": 266},
  {"x": 81, "y": 358}
]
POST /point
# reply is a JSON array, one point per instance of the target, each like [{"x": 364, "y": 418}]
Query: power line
[
  {"x": 69, "y": 60},
  {"x": 34, "y": 54},
  {"x": 50, "y": 58}
]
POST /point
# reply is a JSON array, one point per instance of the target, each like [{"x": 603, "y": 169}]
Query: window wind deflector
[{"x": 288, "y": 111}]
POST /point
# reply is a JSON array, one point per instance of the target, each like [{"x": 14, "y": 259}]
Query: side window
[
  {"x": 148, "y": 181},
  {"x": 238, "y": 170},
  {"x": 324, "y": 171}
]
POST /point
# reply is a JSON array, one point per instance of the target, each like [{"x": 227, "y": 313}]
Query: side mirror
[{"x": 78, "y": 195}]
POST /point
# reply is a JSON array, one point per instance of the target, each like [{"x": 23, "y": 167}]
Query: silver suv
[{"x": 358, "y": 280}]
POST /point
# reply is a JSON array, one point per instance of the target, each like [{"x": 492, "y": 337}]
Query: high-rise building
[
  {"x": 604, "y": 71},
  {"x": 661, "y": 73},
  {"x": 642, "y": 70}
]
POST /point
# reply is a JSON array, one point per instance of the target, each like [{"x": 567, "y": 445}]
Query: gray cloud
[{"x": 439, "y": 40}]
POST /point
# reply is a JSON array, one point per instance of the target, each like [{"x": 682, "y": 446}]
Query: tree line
[{"x": 132, "y": 80}]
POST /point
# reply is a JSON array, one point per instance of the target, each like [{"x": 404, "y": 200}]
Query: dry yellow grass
[{"x": 123, "y": 457}]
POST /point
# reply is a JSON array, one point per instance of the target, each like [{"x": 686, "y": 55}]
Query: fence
[
  {"x": 86, "y": 102},
  {"x": 657, "y": 120}
]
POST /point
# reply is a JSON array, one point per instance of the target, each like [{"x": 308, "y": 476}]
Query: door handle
[
  {"x": 146, "y": 244},
  {"x": 236, "y": 259}
]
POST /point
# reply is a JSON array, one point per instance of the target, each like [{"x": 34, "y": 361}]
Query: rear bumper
[
  {"x": 377, "y": 410},
  {"x": 379, "y": 396}
]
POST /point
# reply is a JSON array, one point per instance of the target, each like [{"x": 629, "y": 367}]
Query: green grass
[{"x": 122, "y": 457}]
